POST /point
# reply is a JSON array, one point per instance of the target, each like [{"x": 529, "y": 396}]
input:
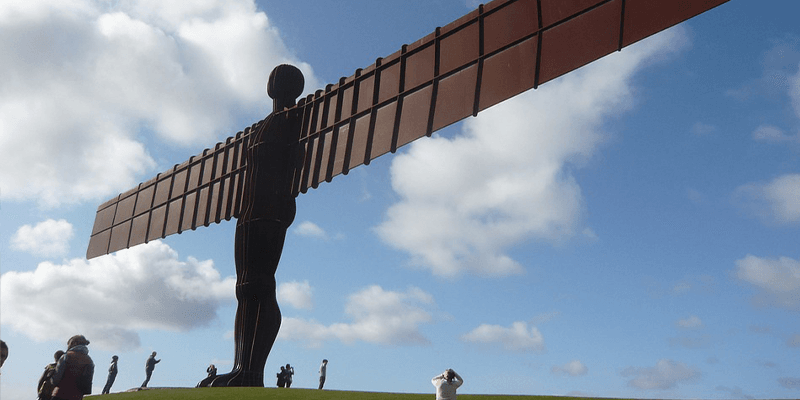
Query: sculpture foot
[
  {"x": 239, "y": 379},
  {"x": 206, "y": 382}
]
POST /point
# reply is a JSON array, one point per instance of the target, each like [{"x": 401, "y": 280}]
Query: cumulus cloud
[
  {"x": 778, "y": 280},
  {"x": 773, "y": 134},
  {"x": 507, "y": 178},
  {"x": 310, "y": 229},
  {"x": 109, "y": 299},
  {"x": 774, "y": 201},
  {"x": 378, "y": 316},
  {"x": 572, "y": 368},
  {"x": 691, "y": 322},
  {"x": 516, "y": 337},
  {"x": 86, "y": 86},
  {"x": 48, "y": 238},
  {"x": 666, "y": 374},
  {"x": 297, "y": 294}
]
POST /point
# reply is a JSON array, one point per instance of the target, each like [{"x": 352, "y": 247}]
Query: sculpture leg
[{"x": 258, "y": 318}]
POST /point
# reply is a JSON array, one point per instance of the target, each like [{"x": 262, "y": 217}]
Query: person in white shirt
[
  {"x": 446, "y": 384},
  {"x": 323, "y": 369}
]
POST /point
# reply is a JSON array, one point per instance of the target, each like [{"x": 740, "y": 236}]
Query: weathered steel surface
[{"x": 499, "y": 50}]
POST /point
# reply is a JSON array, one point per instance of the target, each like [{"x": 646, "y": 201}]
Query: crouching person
[{"x": 74, "y": 371}]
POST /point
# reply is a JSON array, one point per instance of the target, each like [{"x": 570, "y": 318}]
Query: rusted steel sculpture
[{"x": 501, "y": 49}]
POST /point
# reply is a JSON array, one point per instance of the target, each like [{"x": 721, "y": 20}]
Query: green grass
[{"x": 299, "y": 394}]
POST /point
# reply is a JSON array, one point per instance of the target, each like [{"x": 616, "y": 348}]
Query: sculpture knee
[{"x": 256, "y": 290}]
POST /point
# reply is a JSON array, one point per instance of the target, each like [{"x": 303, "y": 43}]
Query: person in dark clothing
[
  {"x": 3, "y": 352},
  {"x": 282, "y": 377},
  {"x": 112, "y": 375},
  {"x": 212, "y": 373},
  {"x": 149, "y": 366},
  {"x": 45, "y": 388},
  {"x": 74, "y": 371}
]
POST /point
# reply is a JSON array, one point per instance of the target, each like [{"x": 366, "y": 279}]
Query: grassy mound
[{"x": 298, "y": 394}]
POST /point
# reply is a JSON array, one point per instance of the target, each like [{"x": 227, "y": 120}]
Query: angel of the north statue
[{"x": 497, "y": 51}]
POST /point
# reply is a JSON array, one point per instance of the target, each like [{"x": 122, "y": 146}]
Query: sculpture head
[{"x": 285, "y": 86}]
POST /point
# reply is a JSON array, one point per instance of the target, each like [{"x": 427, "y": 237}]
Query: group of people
[
  {"x": 70, "y": 376},
  {"x": 285, "y": 376}
]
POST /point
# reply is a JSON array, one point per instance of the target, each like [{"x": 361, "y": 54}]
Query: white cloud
[
  {"x": 109, "y": 299},
  {"x": 48, "y": 238},
  {"x": 769, "y": 133},
  {"x": 794, "y": 91},
  {"x": 297, "y": 294},
  {"x": 517, "y": 337},
  {"x": 777, "y": 200},
  {"x": 79, "y": 118},
  {"x": 666, "y": 374},
  {"x": 778, "y": 280},
  {"x": 379, "y": 316},
  {"x": 465, "y": 201},
  {"x": 691, "y": 322},
  {"x": 702, "y": 129},
  {"x": 572, "y": 368},
  {"x": 310, "y": 229}
]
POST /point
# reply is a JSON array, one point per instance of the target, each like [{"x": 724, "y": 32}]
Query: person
[
  {"x": 323, "y": 371},
  {"x": 3, "y": 352},
  {"x": 282, "y": 377},
  {"x": 74, "y": 371},
  {"x": 212, "y": 373},
  {"x": 112, "y": 374},
  {"x": 45, "y": 388},
  {"x": 149, "y": 366},
  {"x": 446, "y": 384},
  {"x": 268, "y": 208},
  {"x": 288, "y": 375}
]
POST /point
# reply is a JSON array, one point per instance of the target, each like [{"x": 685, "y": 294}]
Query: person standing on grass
[
  {"x": 323, "y": 370},
  {"x": 282, "y": 377},
  {"x": 112, "y": 375},
  {"x": 149, "y": 366},
  {"x": 74, "y": 371},
  {"x": 45, "y": 387},
  {"x": 446, "y": 384},
  {"x": 289, "y": 373}
]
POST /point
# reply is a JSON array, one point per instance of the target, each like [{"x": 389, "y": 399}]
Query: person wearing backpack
[
  {"x": 74, "y": 371},
  {"x": 45, "y": 388}
]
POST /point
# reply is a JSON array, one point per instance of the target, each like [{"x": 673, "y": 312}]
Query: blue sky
[{"x": 628, "y": 230}]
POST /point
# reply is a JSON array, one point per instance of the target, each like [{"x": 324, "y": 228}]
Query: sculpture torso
[{"x": 271, "y": 159}]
